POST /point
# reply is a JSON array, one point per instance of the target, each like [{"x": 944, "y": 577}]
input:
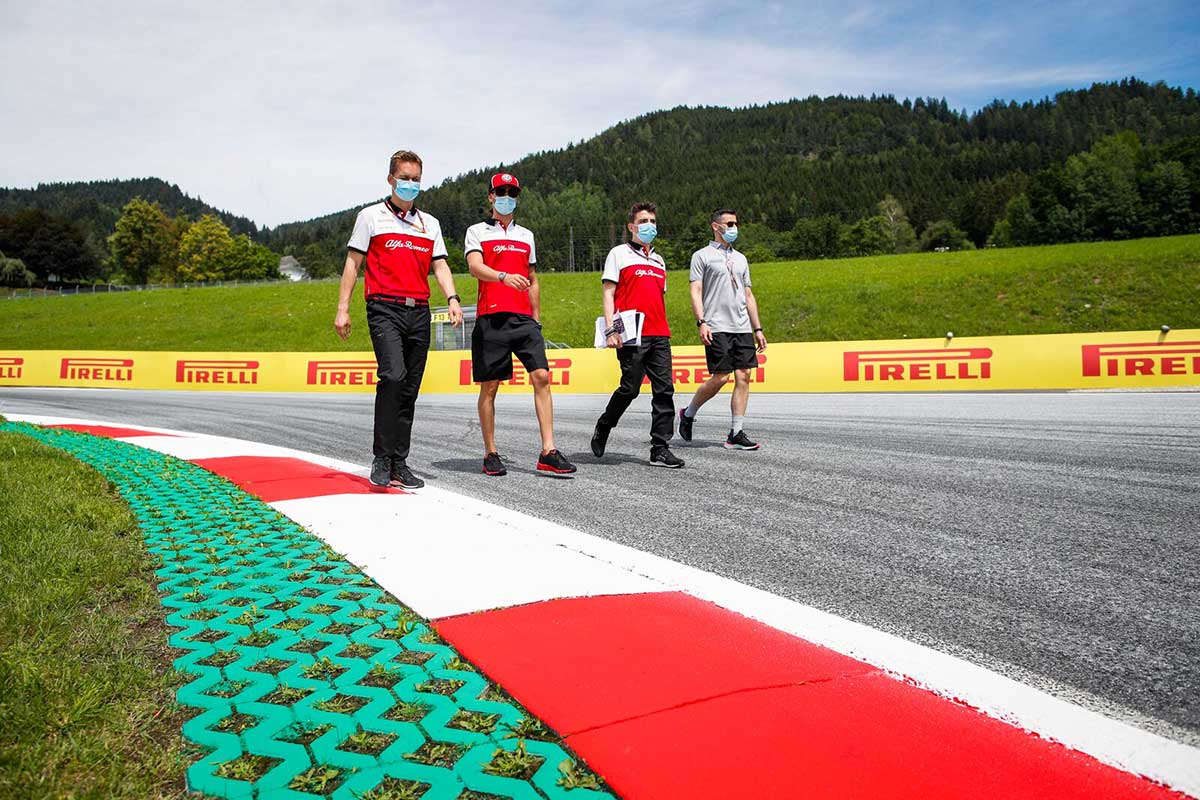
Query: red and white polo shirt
[
  {"x": 508, "y": 250},
  {"x": 641, "y": 280},
  {"x": 399, "y": 247}
]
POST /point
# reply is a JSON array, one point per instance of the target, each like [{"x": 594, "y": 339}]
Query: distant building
[{"x": 290, "y": 268}]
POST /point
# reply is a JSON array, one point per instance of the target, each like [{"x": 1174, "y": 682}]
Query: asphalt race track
[{"x": 1052, "y": 537}]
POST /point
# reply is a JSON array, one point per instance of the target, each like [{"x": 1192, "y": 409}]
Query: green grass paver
[{"x": 308, "y": 679}]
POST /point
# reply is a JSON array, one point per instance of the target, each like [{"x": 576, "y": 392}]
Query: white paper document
[{"x": 629, "y": 324}]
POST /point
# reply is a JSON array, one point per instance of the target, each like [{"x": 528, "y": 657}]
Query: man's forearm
[
  {"x": 609, "y": 305},
  {"x": 752, "y": 308},
  {"x": 445, "y": 280},
  {"x": 697, "y": 290},
  {"x": 349, "y": 278}
]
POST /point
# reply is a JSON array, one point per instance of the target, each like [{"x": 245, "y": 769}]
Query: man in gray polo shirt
[{"x": 727, "y": 315}]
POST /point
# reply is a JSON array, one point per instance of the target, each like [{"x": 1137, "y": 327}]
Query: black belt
[{"x": 403, "y": 301}]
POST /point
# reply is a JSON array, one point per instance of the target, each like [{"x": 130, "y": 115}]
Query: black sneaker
[
  {"x": 663, "y": 457},
  {"x": 599, "y": 439},
  {"x": 402, "y": 476},
  {"x": 685, "y": 425},
  {"x": 492, "y": 465},
  {"x": 555, "y": 462},
  {"x": 381, "y": 471},
  {"x": 739, "y": 441}
]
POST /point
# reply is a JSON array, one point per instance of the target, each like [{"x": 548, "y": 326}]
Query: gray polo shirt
[{"x": 724, "y": 273}]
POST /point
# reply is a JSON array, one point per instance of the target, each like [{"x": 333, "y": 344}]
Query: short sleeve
[
  {"x": 439, "y": 244},
  {"x": 612, "y": 270},
  {"x": 471, "y": 241},
  {"x": 360, "y": 239},
  {"x": 746, "y": 272},
  {"x": 532, "y": 251},
  {"x": 697, "y": 271}
]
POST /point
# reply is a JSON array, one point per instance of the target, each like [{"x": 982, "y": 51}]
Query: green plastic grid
[{"x": 246, "y": 586}]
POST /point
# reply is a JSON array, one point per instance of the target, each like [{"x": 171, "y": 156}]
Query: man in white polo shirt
[
  {"x": 727, "y": 315},
  {"x": 502, "y": 256},
  {"x": 399, "y": 244},
  {"x": 635, "y": 279}
]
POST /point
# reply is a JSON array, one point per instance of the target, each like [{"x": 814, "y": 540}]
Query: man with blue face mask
[
  {"x": 635, "y": 279},
  {"x": 727, "y": 315},
  {"x": 398, "y": 244},
  {"x": 501, "y": 255}
]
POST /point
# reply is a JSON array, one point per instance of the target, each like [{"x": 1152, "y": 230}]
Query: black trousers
[
  {"x": 400, "y": 336},
  {"x": 652, "y": 359}
]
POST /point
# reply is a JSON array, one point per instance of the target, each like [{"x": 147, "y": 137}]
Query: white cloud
[{"x": 284, "y": 112}]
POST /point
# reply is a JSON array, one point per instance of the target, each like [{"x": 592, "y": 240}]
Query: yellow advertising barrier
[{"x": 1066, "y": 361}]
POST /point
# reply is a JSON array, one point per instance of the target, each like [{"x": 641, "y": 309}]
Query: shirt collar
[
  {"x": 398, "y": 211},
  {"x": 638, "y": 248},
  {"x": 721, "y": 245}
]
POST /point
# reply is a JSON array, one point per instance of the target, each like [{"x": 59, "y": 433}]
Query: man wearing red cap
[{"x": 501, "y": 255}]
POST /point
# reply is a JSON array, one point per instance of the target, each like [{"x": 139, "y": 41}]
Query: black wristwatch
[
  {"x": 758, "y": 330},
  {"x": 700, "y": 322},
  {"x": 454, "y": 297}
]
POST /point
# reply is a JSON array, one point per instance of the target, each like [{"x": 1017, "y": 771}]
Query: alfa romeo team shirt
[
  {"x": 641, "y": 281},
  {"x": 399, "y": 247},
  {"x": 508, "y": 250},
  {"x": 725, "y": 274}
]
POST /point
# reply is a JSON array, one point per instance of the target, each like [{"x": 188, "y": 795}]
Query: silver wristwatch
[{"x": 500, "y": 276}]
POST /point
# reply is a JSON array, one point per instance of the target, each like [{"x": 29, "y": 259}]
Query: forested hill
[
  {"x": 784, "y": 162},
  {"x": 97, "y": 204}
]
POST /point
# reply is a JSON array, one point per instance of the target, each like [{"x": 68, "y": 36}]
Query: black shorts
[
  {"x": 499, "y": 337},
  {"x": 731, "y": 351}
]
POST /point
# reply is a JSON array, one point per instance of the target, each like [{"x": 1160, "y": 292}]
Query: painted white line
[
  {"x": 1171, "y": 763},
  {"x": 443, "y": 560}
]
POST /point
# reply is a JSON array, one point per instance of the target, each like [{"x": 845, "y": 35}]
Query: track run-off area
[{"x": 1050, "y": 538}]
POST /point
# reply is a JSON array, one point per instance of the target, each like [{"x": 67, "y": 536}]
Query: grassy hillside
[{"x": 1062, "y": 289}]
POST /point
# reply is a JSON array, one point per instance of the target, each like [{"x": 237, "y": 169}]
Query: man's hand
[
  {"x": 706, "y": 334},
  {"x": 456, "y": 317},
  {"x": 761, "y": 339},
  {"x": 518, "y": 282},
  {"x": 341, "y": 324},
  {"x": 615, "y": 340}
]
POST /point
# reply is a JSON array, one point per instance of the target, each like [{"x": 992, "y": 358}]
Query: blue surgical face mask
[
  {"x": 729, "y": 234},
  {"x": 408, "y": 190},
  {"x": 646, "y": 232},
  {"x": 505, "y": 205}
]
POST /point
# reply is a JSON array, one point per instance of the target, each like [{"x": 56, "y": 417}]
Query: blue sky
[{"x": 283, "y": 112}]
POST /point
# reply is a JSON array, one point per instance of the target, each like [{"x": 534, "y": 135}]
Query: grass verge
[
  {"x": 1077, "y": 288},
  {"x": 87, "y": 703}
]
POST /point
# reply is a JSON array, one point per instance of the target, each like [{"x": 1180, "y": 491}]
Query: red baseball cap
[{"x": 505, "y": 179}]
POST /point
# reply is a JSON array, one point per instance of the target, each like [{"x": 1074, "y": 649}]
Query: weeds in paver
[
  {"x": 474, "y": 721},
  {"x": 271, "y": 666},
  {"x": 407, "y": 712},
  {"x": 258, "y": 639},
  {"x": 221, "y": 658},
  {"x": 576, "y": 777},
  {"x": 381, "y": 677},
  {"x": 530, "y": 728},
  {"x": 415, "y": 657},
  {"x": 358, "y": 650},
  {"x": 293, "y": 625},
  {"x": 323, "y": 668},
  {"x": 228, "y": 688},
  {"x": 368, "y": 743},
  {"x": 397, "y": 789},
  {"x": 437, "y": 754},
  {"x": 236, "y": 723},
  {"x": 304, "y": 732},
  {"x": 459, "y": 664},
  {"x": 516, "y": 763},
  {"x": 248, "y": 767},
  {"x": 440, "y": 686},
  {"x": 317, "y": 780},
  {"x": 286, "y": 695},
  {"x": 309, "y": 646},
  {"x": 341, "y": 704}
]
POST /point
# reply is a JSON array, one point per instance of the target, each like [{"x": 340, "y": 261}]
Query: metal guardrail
[{"x": 65, "y": 290}]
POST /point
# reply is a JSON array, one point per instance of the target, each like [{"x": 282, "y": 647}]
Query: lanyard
[{"x": 419, "y": 225}]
